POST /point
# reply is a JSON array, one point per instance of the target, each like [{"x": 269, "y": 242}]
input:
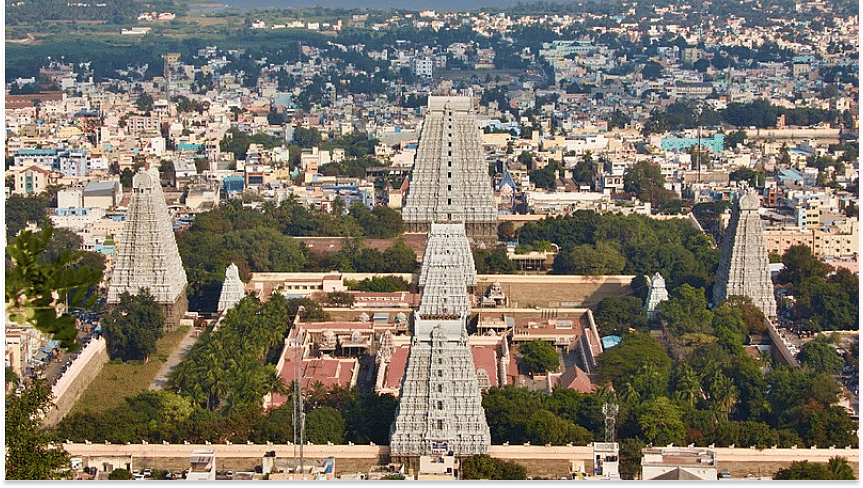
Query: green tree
[
  {"x": 734, "y": 138},
  {"x": 307, "y": 137},
  {"x": 646, "y": 181},
  {"x": 840, "y": 468},
  {"x": 485, "y": 467},
  {"x": 600, "y": 259},
  {"x": 120, "y": 474},
  {"x": 821, "y": 357},
  {"x": 804, "y": 470},
  {"x": 381, "y": 284},
  {"x": 660, "y": 422},
  {"x": 324, "y": 425},
  {"x": 30, "y": 454},
  {"x": 133, "y": 326},
  {"x": 686, "y": 311},
  {"x": 616, "y": 315},
  {"x": 144, "y": 102},
  {"x": 544, "y": 427},
  {"x": 540, "y": 356},
  {"x": 35, "y": 291},
  {"x": 635, "y": 351}
]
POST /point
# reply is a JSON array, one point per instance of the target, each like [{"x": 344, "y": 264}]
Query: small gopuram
[
  {"x": 450, "y": 181},
  {"x": 147, "y": 256},
  {"x": 743, "y": 265},
  {"x": 233, "y": 289},
  {"x": 656, "y": 293},
  {"x": 440, "y": 409}
]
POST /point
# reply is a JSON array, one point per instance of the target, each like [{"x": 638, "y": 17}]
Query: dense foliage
[
  {"x": 261, "y": 241},
  {"x": 673, "y": 247},
  {"x": 485, "y": 467},
  {"x": 29, "y": 454},
  {"x": 517, "y": 415},
  {"x": 824, "y": 299},
  {"x": 836, "y": 469},
  {"x": 380, "y": 284},
  {"x": 35, "y": 288},
  {"x": 345, "y": 416},
  {"x": 539, "y": 356},
  {"x": 234, "y": 367},
  {"x": 133, "y": 326}
]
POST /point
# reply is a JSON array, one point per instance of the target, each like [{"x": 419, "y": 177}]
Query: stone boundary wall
[
  {"x": 540, "y": 460},
  {"x": 779, "y": 347},
  {"x": 72, "y": 385}
]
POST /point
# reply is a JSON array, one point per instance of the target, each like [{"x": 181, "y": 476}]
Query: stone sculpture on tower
[
  {"x": 147, "y": 255},
  {"x": 440, "y": 406},
  {"x": 744, "y": 267},
  {"x": 449, "y": 181}
]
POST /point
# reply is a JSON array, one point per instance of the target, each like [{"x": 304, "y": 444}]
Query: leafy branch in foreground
[
  {"x": 35, "y": 290},
  {"x": 29, "y": 453}
]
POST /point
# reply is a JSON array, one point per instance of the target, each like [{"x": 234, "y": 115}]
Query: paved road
[{"x": 178, "y": 355}]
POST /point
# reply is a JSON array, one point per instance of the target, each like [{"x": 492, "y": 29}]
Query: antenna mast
[{"x": 610, "y": 411}]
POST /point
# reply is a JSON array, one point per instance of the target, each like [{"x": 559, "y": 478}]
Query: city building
[{"x": 678, "y": 463}]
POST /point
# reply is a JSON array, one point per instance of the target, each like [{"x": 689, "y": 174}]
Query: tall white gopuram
[
  {"x": 232, "y": 289},
  {"x": 449, "y": 181},
  {"x": 147, "y": 255},
  {"x": 440, "y": 407},
  {"x": 744, "y": 265},
  {"x": 656, "y": 293}
]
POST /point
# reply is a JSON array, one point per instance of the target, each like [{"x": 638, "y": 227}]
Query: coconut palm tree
[
  {"x": 723, "y": 393},
  {"x": 687, "y": 388}
]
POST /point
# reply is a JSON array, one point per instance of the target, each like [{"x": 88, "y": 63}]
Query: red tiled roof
[
  {"x": 396, "y": 368},
  {"x": 576, "y": 379},
  {"x": 485, "y": 357}
]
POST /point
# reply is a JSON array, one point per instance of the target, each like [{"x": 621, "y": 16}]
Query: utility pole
[{"x": 299, "y": 416}]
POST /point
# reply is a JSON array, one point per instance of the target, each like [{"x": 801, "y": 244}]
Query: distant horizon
[{"x": 442, "y": 5}]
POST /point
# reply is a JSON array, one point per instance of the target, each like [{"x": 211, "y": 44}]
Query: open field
[{"x": 119, "y": 380}]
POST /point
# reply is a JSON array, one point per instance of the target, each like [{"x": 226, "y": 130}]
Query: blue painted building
[{"x": 715, "y": 143}]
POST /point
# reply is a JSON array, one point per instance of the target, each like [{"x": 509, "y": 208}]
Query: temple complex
[
  {"x": 450, "y": 181},
  {"x": 744, "y": 265},
  {"x": 233, "y": 289},
  {"x": 655, "y": 294},
  {"x": 440, "y": 408},
  {"x": 147, "y": 256}
]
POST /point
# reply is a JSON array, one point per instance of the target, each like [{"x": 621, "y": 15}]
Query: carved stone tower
[
  {"x": 232, "y": 289},
  {"x": 450, "y": 181},
  {"x": 440, "y": 408},
  {"x": 655, "y": 294},
  {"x": 147, "y": 255},
  {"x": 743, "y": 265}
]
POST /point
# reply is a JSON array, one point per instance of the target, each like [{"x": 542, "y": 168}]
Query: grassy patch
[{"x": 119, "y": 380}]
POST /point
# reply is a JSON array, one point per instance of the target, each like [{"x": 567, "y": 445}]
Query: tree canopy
[
  {"x": 36, "y": 291},
  {"x": 133, "y": 326},
  {"x": 539, "y": 356},
  {"x": 29, "y": 453}
]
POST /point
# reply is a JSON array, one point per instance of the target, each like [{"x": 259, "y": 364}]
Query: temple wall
[{"x": 72, "y": 385}]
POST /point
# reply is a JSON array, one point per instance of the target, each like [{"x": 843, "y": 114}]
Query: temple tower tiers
[
  {"x": 449, "y": 181},
  {"x": 147, "y": 256},
  {"x": 440, "y": 408},
  {"x": 232, "y": 289},
  {"x": 744, "y": 265},
  {"x": 655, "y": 294}
]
